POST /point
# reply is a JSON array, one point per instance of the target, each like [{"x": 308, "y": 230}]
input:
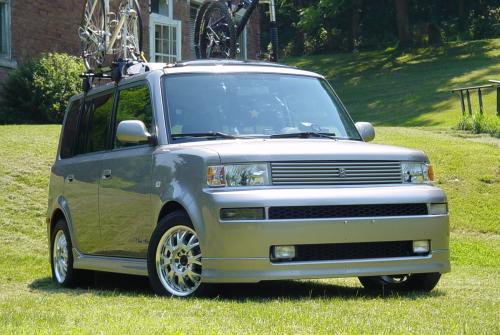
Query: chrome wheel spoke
[{"x": 195, "y": 259}]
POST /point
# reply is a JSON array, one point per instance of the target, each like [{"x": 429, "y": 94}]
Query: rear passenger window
[
  {"x": 134, "y": 104},
  {"x": 70, "y": 130},
  {"x": 95, "y": 124}
]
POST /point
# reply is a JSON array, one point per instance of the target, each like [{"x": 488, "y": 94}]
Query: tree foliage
[
  {"x": 316, "y": 26},
  {"x": 38, "y": 90}
]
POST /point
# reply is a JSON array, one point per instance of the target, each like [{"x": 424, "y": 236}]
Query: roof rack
[
  {"x": 120, "y": 69},
  {"x": 225, "y": 62}
]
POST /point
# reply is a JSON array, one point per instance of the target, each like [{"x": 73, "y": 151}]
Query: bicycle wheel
[
  {"x": 92, "y": 32},
  {"x": 217, "y": 32},
  {"x": 197, "y": 26},
  {"x": 131, "y": 44}
]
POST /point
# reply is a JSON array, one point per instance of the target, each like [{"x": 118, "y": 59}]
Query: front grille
[
  {"x": 336, "y": 173},
  {"x": 345, "y": 251},
  {"x": 346, "y": 211}
]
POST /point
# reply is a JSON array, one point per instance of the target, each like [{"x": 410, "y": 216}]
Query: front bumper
[{"x": 238, "y": 251}]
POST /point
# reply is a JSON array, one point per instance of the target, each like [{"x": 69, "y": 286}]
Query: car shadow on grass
[{"x": 110, "y": 284}]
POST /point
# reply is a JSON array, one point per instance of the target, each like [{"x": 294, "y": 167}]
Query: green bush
[
  {"x": 37, "y": 91},
  {"x": 480, "y": 124}
]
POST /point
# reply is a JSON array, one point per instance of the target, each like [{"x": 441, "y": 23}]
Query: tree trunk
[
  {"x": 403, "y": 23},
  {"x": 355, "y": 23}
]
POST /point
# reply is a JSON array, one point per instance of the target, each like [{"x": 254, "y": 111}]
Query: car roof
[
  {"x": 232, "y": 66},
  {"x": 204, "y": 66}
]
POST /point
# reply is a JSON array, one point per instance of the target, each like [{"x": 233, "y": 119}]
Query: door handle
[
  {"x": 106, "y": 174},
  {"x": 69, "y": 178}
]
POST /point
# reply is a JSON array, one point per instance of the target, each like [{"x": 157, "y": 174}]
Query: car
[{"x": 218, "y": 171}]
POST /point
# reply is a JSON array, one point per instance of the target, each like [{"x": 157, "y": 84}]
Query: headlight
[
  {"x": 417, "y": 173},
  {"x": 234, "y": 175}
]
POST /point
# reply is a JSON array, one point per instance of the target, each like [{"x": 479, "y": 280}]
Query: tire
[
  {"x": 61, "y": 258},
  {"x": 420, "y": 282},
  {"x": 134, "y": 39},
  {"x": 217, "y": 33},
  {"x": 175, "y": 271},
  {"x": 197, "y": 27},
  {"x": 92, "y": 34}
]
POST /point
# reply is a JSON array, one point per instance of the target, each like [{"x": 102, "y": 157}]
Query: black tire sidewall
[
  {"x": 422, "y": 282},
  {"x": 177, "y": 218}
]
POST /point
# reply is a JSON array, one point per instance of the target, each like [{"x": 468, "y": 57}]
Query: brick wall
[
  {"x": 43, "y": 26},
  {"x": 181, "y": 13},
  {"x": 253, "y": 35}
]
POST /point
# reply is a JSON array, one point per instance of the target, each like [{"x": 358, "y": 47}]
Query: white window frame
[
  {"x": 6, "y": 58},
  {"x": 157, "y": 19}
]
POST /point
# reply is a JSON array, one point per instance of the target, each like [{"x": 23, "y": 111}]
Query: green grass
[
  {"x": 466, "y": 301},
  {"x": 410, "y": 89}
]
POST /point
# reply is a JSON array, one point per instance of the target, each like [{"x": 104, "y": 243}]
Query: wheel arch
[{"x": 170, "y": 207}]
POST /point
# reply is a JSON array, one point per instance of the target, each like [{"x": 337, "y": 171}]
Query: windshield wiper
[
  {"x": 212, "y": 134},
  {"x": 305, "y": 134}
]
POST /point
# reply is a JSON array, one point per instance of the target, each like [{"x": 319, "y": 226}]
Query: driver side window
[{"x": 134, "y": 103}]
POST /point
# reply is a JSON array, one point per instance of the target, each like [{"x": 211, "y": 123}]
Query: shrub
[
  {"x": 38, "y": 90},
  {"x": 479, "y": 124}
]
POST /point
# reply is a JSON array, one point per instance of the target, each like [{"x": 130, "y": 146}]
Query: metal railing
[{"x": 495, "y": 84}]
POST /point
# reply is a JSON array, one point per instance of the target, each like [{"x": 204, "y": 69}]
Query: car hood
[{"x": 267, "y": 150}]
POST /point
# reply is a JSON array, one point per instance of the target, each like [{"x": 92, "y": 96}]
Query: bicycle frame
[
  {"x": 109, "y": 43},
  {"x": 250, "y": 6}
]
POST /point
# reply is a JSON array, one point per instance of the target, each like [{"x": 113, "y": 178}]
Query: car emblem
[{"x": 341, "y": 172}]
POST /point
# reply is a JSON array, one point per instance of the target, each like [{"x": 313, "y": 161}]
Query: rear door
[
  {"x": 125, "y": 184},
  {"x": 82, "y": 170}
]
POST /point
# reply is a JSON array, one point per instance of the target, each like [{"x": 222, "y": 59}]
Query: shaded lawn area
[{"x": 391, "y": 88}]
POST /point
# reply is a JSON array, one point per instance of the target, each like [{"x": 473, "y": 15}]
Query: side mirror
[
  {"x": 132, "y": 131},
  {"x": 366, "y": 131}
]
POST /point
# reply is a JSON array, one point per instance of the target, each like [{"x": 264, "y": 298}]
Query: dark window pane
[
  {"x": 94, "y": 124},
  {"x": 70, "y": 130},
  {"x": 99, "y": 124},
  {"x": 3, "y": 30},
  {"x": 81, "y": 142},
  {"x": 134, "y": 104},
  {"x": 155, "y": 6}
]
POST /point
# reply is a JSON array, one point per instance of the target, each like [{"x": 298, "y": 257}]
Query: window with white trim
[
  {"x": 164, "y": 33},
  {"x": 165, "y": 43},
  {"x": 5, "y": 28}
]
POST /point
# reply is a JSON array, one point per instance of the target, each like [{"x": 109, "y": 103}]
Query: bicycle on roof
[
  {"x": 110, "y": 30},
  {"x": 219, "y": 24}
]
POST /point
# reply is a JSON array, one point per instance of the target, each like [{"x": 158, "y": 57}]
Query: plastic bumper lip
[{"x": 258, "y": 269}]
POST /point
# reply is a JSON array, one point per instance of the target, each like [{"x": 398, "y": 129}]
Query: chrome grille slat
[{"x": 328, "y": 173}]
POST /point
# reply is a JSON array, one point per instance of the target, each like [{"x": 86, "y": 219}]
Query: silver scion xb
[{"x": 223, "y": 171}]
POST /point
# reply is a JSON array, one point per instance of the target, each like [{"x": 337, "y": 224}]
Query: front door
[{"x": 125, "y": 184}]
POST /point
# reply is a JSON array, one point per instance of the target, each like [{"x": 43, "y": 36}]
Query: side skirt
[{"x": 132, "y": 266}]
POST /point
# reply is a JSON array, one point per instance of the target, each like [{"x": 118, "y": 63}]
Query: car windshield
[{"x": 240, "y": 105}]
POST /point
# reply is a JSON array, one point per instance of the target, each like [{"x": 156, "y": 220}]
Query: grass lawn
[
  {"x": 411, "y": 89},
  {"x": 466, "y": 301}
]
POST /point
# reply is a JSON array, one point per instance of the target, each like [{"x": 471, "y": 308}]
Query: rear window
[
  {"x": 70, "y": 130},
  {"x": 94, "y": 124}
]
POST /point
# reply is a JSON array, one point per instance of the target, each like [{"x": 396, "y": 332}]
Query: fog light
[
  {"x": 284, "y": 252},
  {"x": 421, "y": 247},
  {"x": 439, "y": 209}
]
